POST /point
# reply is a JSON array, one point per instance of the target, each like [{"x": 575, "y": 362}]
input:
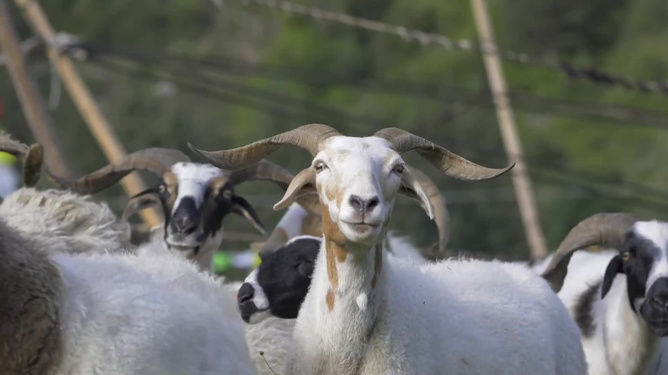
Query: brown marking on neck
[
  {"x": 335, "y": 253},
  {"x": 330, "y": 229},
  {"x": 334, "y": 246},
  {"x": 332, "y": 272},
  {"x": 377, "y": 266},
  {"x": 329, "y": 299}
]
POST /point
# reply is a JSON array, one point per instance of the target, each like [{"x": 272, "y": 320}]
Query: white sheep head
[{"x": 356, "y": 179}]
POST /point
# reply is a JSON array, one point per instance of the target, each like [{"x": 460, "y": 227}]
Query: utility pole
[
  {"x": 84, "y": 101},
  {"x": 32, "y": 103},
  {"x": 509, "y": 134}
]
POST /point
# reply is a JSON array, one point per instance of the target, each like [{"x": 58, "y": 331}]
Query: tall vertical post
[
  {"x": 511, "y": 139},
  {"x": 84, "y": 101},
  {"x": 32, "y": 102}
]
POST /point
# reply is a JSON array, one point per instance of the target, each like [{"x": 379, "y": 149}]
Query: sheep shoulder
[
  {"x": 149, "y": 313},
  {"x": 493, "y": 318}
]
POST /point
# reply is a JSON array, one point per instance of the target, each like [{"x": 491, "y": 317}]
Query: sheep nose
[
  {"x": 186, "y": 217},
  {"x": 184, "y": 224},
  {"x": 363, "y": 205},
  {"x": 245, "y": 293}
]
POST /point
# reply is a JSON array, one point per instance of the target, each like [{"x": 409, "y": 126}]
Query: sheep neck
[
  {"x": 629, "y": 344},
  {"x": 30, "y": 342},
  {"x": 342, "y": 305}
]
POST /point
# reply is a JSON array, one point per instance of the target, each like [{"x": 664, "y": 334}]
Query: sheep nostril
[
  {"x": 246, "y": 293},
  {"x": 372, "y": 203},
  {"x": 356, "y": 202},
  {"x": 184, "y": 225}
]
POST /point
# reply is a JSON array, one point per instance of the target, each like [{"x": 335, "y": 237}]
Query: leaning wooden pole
[
  {"x": 32, "y": 102},
  {"x": 511, "y": 139},
  {"x": 84, "y": 101}
]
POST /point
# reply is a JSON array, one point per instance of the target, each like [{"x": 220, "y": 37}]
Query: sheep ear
[
  {"x": 411, "y": 188},
  {"x": 302, "y": 184},
  {"x": 145, "y": 199},
  {"x": 614, "y": 267},
  {"x": 242, "y": 207}
]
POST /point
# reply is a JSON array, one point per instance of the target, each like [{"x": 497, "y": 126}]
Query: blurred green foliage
[{"x": 350, "y": 70}]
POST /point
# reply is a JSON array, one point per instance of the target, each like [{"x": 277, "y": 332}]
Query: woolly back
[
  {"x": 66, "y": 222},
  {"x": 30, "y": 290}
]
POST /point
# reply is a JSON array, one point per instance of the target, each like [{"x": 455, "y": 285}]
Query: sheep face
[
  {"x": 195, "y": 198},
  {"x": 357, "y": 180},
  {"x": 644, "y": 261},
  {"x": 278, "y": 286}
]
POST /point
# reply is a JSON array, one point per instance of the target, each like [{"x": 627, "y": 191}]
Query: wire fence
[
  {"x": 283, "y": 107},
  {"x": 225, "y": 69},
  {"x": 590, "y": 73}
]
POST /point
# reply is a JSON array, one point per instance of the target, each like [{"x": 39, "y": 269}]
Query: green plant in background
[{"x": 359, "y": 81}]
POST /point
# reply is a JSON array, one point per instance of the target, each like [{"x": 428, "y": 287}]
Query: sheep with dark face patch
[
  {"x": 618, "y": 298},
  {"x": 279, "y": 285},
  {"x": 194, "y": 197}
]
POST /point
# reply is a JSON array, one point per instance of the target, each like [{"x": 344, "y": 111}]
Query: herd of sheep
[{"x": 336, "y": 293}]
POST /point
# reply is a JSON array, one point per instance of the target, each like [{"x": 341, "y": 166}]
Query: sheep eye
[
  {"x": 227, "y": 194},
  {"x": 399, "y": 169},
  {"x": 626, "y": 256},
  {"x": 162, "y": 189},
  {"x": 319, "y": 166}
]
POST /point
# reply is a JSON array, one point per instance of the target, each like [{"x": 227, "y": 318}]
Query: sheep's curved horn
[
  {"x": 441, "y": 215},
  {"x": 11, "y": 146},
  {"x": 31, "y": 157},
  {"x": 262, "y": 170},
  {"x": 268, "y": 171},
  {"x": 450, "y": 163},
  {"x": 607, "y": 229},
  {"x": 308, "y": 137},
  {"x": 156, "y": 160}
]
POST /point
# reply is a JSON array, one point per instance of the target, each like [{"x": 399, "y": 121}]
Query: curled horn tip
[{"x": 199, "y": 152}]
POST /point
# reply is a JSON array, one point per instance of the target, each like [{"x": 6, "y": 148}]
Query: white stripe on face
[{"x": 193, "y": 179}]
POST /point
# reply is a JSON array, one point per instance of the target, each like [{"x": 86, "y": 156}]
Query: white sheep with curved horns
[
  {"x": 367, "y": 313},
  {"x": 194, "y": 197},
  {"x": 296, "y": 235}
]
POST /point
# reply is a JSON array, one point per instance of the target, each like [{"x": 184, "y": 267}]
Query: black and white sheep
[
  {"x": 618, "y": 298},
  {"x": 194, "y": 197}
]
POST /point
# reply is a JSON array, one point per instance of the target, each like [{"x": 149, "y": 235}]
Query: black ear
[
  {"x": 242, "y": 207},
  {"x": 614, "y": 267},
  {"x": 305, "y": 268}
]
